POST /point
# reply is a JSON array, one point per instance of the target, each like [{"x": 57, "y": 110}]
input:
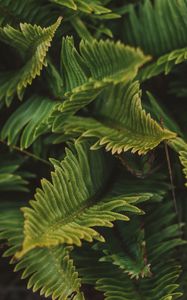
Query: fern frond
[
  {"x": 29, "y": 121},
  {"x": 88, "y": 7},
  {"x": 164, "y": 64},
  {"x": 66, "y": 210},
  {"x": 122, "y": 124},
  {"x": 61, "y": 282},
  {"x": 33, "y": 43},
  {"x": 112, "y": 62},
  {"x": 162, "y": 237},
  {"x": 157, "y": 27},
  {"x": 50, "y": 270},
  {"x": 125, "y": 251},
  {"x": 120, "y": 287},
  {"x": 99, "y": 64}
]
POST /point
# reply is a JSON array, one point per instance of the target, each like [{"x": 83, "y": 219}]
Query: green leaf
[
  {"x": 66, "y": 210},
  {"x": 50, "y": 270},
  {"x": 33, "y": 43},
  {"x": 88, "y": 7},
  {"x": 126, "y": 249},
  {"x": 112, "y": 62},
  {"x": 162, "y": 236},
  {"x": 157, "y": 27},
  {"x": 122, "y": 124},
  {"x": 29, "y": 121},
  {"x": 164, "y": 64},
  {"x": 68, "y": 3},
  {"x": 99, "y": 64}
]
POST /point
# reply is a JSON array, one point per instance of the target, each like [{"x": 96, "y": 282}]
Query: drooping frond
[
  {"x": 29, "y": 121},
  {"x": 157, "y": 27},
  {"x": 121, "y": 123},
  {"x": 48, "y": 270},
  {"x": 98, "y": 64},
  {"x": 162, "y": 236},
  {"x": 66, "y": 210},
  {"x": 32, "y": 42}
]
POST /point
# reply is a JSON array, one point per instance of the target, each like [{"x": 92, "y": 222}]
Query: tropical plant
[{"x": 91, "y": 131}]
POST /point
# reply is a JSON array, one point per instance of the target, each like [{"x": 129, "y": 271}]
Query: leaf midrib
[
  {"x": 114, "y": 125},
  {"x": 94, "y": 199}
]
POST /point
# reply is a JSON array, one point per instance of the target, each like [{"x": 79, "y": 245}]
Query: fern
[
  {"x": 32, "y": 42},
  {"x": 131, "y": 261},
  {"x": 99, "y": 145},
  {"x": 164, "y": 64},
  {"x": 36, "y": 262},
  {"x": 61, "y": 282},
  {"x": 87, "y": 73},
  {"x": 120, "y": 133},
  {"x": 90, "y": 7},
  {"x": 158, "y": 27},
  {"x": 31, "y": 117},
  {"x": 160, "y": 284},
  {"x": 70, "y": 222},
  {"x": 80, "y": 88}
]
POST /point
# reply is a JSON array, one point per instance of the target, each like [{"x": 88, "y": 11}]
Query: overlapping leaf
[
  {"x": 66, "y": 210},
  {"x": 157, "y": 27},
  {"x": 127, "y": 251},
  {"x": 49, "y": 270},
  {"x": 32, "y": 42},
  {"x": 164, "y": 64},
  {"x": 98, "y": 64},
  {"x": 162, "y": 236},
  {"x": 120, "y": 124},
  {"x": 29, "y": 121}
]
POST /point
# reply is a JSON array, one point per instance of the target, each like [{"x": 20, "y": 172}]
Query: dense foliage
[{"x": 93, "y": 101}]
